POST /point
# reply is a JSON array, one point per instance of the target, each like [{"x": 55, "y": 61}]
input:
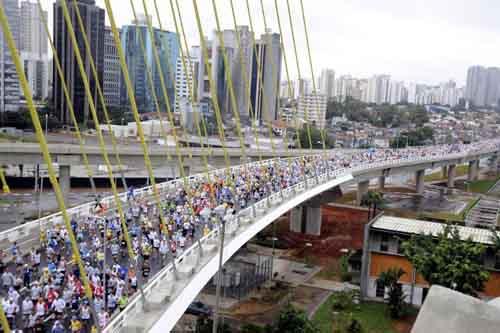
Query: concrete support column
[
  {"x": 445, "y": 171},
  {"x": 313, "y": 218},
  {"x": 420, "y": 181},
  {"x": 473, "y": 171},
  {"x": 381, "y": 183},
  {"x": 65, "y": 179},
  {"x": 451, "y": 176},
  {"x": 186, "y": 170},
  {"x": 296, "y": 219},
  {"x": 362, "y": 190}
]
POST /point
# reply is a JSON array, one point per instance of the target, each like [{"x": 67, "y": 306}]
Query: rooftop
[{"x": 411, "y": 226}]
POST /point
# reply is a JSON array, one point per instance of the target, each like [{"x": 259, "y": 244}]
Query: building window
[
  {"x": 384, "y": 243},
  {"x": 497, "y": 261},
  {"x": 380, "y": 290},
  {"x": 400, "y": 245}
]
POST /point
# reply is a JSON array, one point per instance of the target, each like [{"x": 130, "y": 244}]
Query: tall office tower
[
  {"x": 240, "y": 62},
  {"x": 33, "y": 49},
  {"x": 477, "y": 85},
  {"x": 167, "y": 46},
  {"x": 269, "y": 55},
  {"x": 312, "y": 109},
  {"x": 327, "y": 83},
  {"x": 9, "y": 81},
  {"x": 112, "y": 70},
  {"x": 378, "y": 89},
  {"x": 242, "y": 71},
  {"x": 93, "y": 20}
]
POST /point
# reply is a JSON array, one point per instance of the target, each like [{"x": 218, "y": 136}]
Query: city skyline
[{"x": 419, "y": 42}]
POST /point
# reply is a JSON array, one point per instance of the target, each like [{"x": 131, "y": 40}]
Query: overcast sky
[{"x": 427, "y": 41}]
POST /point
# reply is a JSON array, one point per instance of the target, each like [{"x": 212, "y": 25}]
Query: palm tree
[{"x": 372, "y": 200}]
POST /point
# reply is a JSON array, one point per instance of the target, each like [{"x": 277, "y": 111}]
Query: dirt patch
[{"x": 404, "y": 325}]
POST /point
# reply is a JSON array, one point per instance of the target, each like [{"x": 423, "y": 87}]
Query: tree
[
  {"x": 316, "y": 138},
  {"x": 292, "y": 320},
  {"x": 204, "y": 325},
  {"x": 389, "y": 279},
  {"x": 447, "y": 260},
  {"x": 372, "y": 200}
]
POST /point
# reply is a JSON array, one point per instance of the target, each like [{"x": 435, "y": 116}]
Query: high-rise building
[
  {"x": 33, "y": 49},
  {"x": 378, "y": 89},
  {"x": 9, "y": 81},
  {"x": 93, "y": 20},
  {"x": 327, "y": 83},
  {"x": 265, "y": 101},
  {"x": 167, "y": 46},
  {"x": 186, "y": 82},
  {"x": 312, "y": 109},
  {"x": 236, "y": 57},
  {"x": 112, "y": 70},
  {"x": 396, "y": 92},
  {"x": 476, "y": 89}
]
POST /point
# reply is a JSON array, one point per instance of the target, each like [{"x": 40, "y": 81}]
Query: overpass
[{"x": 170, "y": 291}]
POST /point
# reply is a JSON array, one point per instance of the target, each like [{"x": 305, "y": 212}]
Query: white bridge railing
[{"x": 27, "y": 235}]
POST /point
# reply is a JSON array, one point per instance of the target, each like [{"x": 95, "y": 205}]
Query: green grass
[
  {"x": 371, "y": 315},
  {"x": 460, "y": 170},
  {"x": 480, "y": 186}
]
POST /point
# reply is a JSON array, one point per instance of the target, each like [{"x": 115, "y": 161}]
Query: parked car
[{"x": 199, "y": 309}]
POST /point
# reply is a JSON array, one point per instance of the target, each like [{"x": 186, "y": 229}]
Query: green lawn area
[
  {"x": 460, "y": 170},
  {"x": 371, "y": 315},
  {"x": 481, "y": 186}
]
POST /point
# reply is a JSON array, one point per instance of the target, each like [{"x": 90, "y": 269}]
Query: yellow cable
[
  {"x": 5, "y": 186},
  {"x": 100, "y": 93},
  {"x": 45, "y": 151},
  {"x": 170, "y": 66},
  {"x": 228, "y": 74},
  {"x": 213, "y": 90},
  {"x": 64, "y": 85},
  {"x": 151, "y": 81},
  {"x": 3, "y": 320},
  {"x": 183, "y": 32},
  {"x": 246, "y": 80},
  {"x": 135, "y": 112},
  {"x": 299, "y": 73},
  {"x": 260, "y": 70},
  {"x": 164, "y": 90},
  {"x": 143, "y": 48},
  {"x": 289, "y": 81},
  {"x": 172, "y": 76},
  {"x": 95, "y": 118}
]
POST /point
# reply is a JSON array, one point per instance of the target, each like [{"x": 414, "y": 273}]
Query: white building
[
  {"x": 9, "y": 81},
  {"x": 327, "y": 83},
  {"x": 312, "y": 109},
  {"x": 33, "y": 49},
  {"x": 112, "y": 70}
]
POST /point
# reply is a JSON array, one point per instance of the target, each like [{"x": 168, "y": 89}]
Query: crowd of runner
[{"x": 42, "y": 290}]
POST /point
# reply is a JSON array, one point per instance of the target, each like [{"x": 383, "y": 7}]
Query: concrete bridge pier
[
  {"x": 65, "y": 179},
  {"x": 306, "y": 218},
  {"x": 473, "y": 171},
  {"x": 420, "y": 181},
  {"x": 362, "y": 190},
  {"x": 451, "y": 176},
  {"x": 445, "y": 171},
  {"x": 381, "y": 183}
]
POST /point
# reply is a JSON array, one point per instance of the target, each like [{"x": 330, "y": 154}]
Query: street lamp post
[{"x": 219, "y": 276}]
